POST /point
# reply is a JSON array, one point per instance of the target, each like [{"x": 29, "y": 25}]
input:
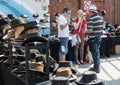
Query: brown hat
[
  {"x": 65, "y": 72},
  {"x": 37, "y": 66},
  {"x": 16, "y": 22}
]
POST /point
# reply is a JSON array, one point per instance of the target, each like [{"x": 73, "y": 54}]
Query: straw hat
[
  {"x": 37, "y": 66},
  {"x": 65, "y": 70},
  {"x": 89, "y": 78}
]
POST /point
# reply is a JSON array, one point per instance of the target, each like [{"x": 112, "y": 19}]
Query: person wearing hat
[
  {"x": 23, "y": 17},
  {"x": 36, "y": 18},
  {"x": 63, "y": 32},
  {"x": 79, "y": 27},
  {"x": 94, "y": 31}
]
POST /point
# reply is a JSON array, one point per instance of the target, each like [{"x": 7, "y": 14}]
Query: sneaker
[{"x": 97, "y": 70}]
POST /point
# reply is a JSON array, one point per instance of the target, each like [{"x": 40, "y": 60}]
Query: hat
[
  {"x": 3, "y": 22},
  {"x": 46, "y": 14},
  {"x": 10, "y": 16},
  {"x": 1, "y": 16},
  {"x": 24, "y": 16},
  {"x": 37, "y": 66},
  {"x": 89, "y": 78},
  {"x": 35, "y": 15},
  {"x": 42, "y": 20},
  {"x": 16, "y": 22},
  {"x": 53, "y": 20},
  {"x": 29, "y": 25},
  {"x": 32, "y": 37},
  {"x": 118, "y": 28},
  {"x": 60, "y": 81},
  {"x": 65, "y": 70},
  {"x": 93, "y": 8},
  {"x": 57, "y": 14}
]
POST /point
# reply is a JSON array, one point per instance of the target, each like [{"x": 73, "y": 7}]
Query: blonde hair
[{"x": 80, "y": 12}]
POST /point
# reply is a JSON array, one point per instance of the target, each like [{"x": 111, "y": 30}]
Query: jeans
[
  {"x": 94, "y": 45},
  {"x": 63, "y": 48}
]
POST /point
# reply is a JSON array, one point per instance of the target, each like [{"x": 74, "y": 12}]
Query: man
[
  {"x": 63, "y": 32},
  {"x": 36, "y": 18},
  {"x": 95, "y": 26},
  {"x": 24, "y": 17}
]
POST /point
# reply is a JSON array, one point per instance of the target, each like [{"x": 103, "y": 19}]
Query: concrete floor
[{"x": 110, "y": 70}]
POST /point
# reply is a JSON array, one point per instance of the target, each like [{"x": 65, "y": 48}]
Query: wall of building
[
  {"x": 58, "y": 5},
  {"x": 112, "y": 12}
]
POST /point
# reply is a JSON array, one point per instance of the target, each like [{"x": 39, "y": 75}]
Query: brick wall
[
  {"x": 108, "y": 5},
  {"x": 58, "y": 5}
]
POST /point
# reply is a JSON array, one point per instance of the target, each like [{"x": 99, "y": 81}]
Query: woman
[{"x": 80, "y": 24}]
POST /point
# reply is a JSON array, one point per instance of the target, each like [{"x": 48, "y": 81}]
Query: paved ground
[{"x": 110, "y": 70}]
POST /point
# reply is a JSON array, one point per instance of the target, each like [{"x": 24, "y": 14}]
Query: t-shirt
[
  {"x": 65, "y": 32},
  {"x": 81, "y": 27},
  {"x": 95, "y": 23}
]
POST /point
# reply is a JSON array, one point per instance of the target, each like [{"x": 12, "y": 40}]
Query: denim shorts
[{"x": 63, "y": 48}]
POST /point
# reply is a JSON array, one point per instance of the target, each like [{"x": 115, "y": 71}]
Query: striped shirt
[{"x": 95, "y": 23}]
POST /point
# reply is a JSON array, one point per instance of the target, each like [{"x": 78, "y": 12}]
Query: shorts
[{"x": 63, "y": 48}]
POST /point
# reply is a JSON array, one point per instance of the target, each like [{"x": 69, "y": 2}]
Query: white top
[{"x": 62, "y": 21}]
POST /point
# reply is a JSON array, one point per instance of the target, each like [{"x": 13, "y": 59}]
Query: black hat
[
  {"x": 10, "y": 16},
  {"x": 57, "y": 14},
  {"x": 29, "y": 25},
  {"x": 60, "y": 80},
  {"x": 3, "y": 22},
  {"x": 66, "y": 9},
  {"x": 46, "y": 14},
  {"x": 53, "y": 20},
  {"x": 89, "y": 78},
  {"x": 42, "y": 20},
  {"x": 24, "y": 16},
  {"x": 35, "y": 15},
  {"x": 16, "y": 22},
  {"x": 32, "y": 37}
]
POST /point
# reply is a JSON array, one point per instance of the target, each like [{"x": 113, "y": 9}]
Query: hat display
[
  {"x": 16, "y": 22},
  {"x": 24, "y": 16},
  {"x": 93, "y": 8},
  {"x": 4, "y": 22},
  {"x": 89, "y": 78},
  {"x": 32, "y": 37},
  {"x": 37, "y": 66},
  {"x": 35, "y": 15},
  {"x": 60, "y": 81}
]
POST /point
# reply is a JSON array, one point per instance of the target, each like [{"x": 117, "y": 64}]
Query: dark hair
[
  {"x": 103, "y": 12},
  {"x": 66, "y": 10}
]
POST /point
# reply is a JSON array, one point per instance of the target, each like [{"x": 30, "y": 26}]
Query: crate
[{"x": 117, "y": 49}]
